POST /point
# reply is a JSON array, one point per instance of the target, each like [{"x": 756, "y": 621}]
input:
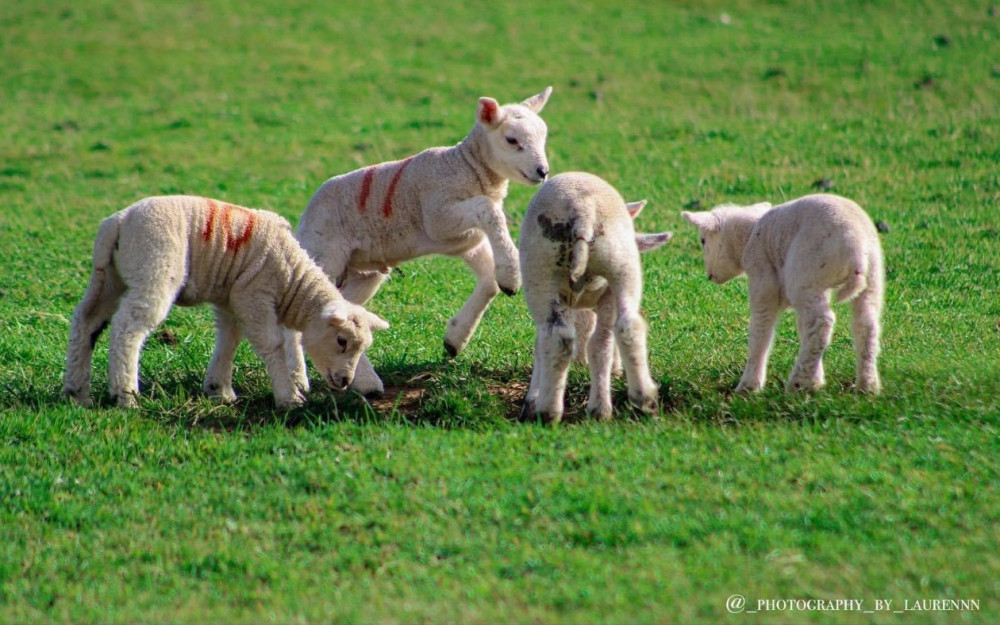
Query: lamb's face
[
  {"x": 336, "y": 340},
  {"x": 516, "y": 137},
  {"x": 720, "y": 264}
]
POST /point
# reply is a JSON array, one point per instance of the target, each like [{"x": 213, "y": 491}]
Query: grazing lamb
[
  {"x": 246, "y": 263},
  {"x": 360, "y": 225},
  {"x": 579, "y": 252},
  {"x": 794, "y": 255}
]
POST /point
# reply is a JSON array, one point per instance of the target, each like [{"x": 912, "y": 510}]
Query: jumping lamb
[
  {"x": 580, "y": 253},
  {"x": 794, "y": 255},
  {"x": 446, "y": 200},
  {"x": 246, "y": 263}
]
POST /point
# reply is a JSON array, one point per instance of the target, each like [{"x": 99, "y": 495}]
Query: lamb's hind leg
[
  {"x": 867, "y": 309},
  {"x": 600, "y": 350},
  {"x": 464, "y": 323},
  {"x": 553, "y": 349},
  {"x": 90, "y": 319},
  {"x": 359, "y": 287},
  {"x": 141, "y": 310},
  {"x": 219, "y": 377},
  {"x": 815, "y": 321},
  {"x": 630, "y": 335}
]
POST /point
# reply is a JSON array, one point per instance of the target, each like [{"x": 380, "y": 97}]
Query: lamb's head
[
  {"x": 724, "y": 232},
  {"x": 515, "y": 138},
  {"x": 335, "y": 340}
]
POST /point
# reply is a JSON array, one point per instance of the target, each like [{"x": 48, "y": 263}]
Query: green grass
[{"x": 439, "y": 505}]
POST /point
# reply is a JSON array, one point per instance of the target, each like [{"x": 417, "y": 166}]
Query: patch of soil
[{"x": 406, "y": 399}]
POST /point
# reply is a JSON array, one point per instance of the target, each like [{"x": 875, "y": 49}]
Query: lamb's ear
[
  {"x": 488, "y": 112},
  {"x": 336, "y": 315},
  {"x": 647, "y": 242},
  {"x": 537, "y": 102},
  {"x": 706, "y": 220},
  {"x": 634, "y": 208},
  {"x": 376, "y": 323}
]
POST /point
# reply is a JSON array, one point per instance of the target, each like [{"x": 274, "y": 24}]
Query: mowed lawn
[{"x": 435, "y": 503}]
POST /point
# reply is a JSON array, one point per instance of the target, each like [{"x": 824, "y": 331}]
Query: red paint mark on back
[
  {"x": 387, "y": 205},
  {"x": 233, "y": 241},
  {"x": 366, "y": 188},
  {"x": 206, "y": 234}
]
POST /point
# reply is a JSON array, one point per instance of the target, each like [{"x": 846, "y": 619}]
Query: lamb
[
  {"x": 794, "y": 255},
  {"x": 361, "y": 224},
  {"x": 579, "y": 252},
  {"x": 246, "y": 263}
]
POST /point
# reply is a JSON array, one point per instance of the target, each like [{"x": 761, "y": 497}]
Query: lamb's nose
[
  {"x": 342, "y": 381},
  {"x": 542, "y": 172}
]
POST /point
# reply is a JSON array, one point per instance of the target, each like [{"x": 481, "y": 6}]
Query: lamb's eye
[
  {"x": 703, "y": 241},
  {"x": 342, "y": 342},
  {"x": 511, "y": 141}
]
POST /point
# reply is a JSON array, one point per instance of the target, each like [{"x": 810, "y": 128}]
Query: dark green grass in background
[{"x": 435, "y": 504}]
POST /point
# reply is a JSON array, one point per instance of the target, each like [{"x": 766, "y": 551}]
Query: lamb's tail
[
  {"x": 106, "y": 241},
  {"x": 104, "y": 249},
  {"x": 856, "y": 282},
  {"x": 583, "y": 236}
]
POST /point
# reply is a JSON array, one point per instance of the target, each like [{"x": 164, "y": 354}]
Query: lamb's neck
[
  {"x": 473, "y": 151},
  {"x": 739, "y": 235},
  {"x": 307, "y": 293}
]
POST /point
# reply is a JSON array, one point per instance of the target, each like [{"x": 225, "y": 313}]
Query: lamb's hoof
[
  {"x": 508, "y": 279},
  {"x": 798, "y": 385},
  {"x": 450, "y": 349},
  {"x": 744, "y": 388},
  {"x": 601, "y": 413},
  {"x": 79, "y": 398},
  {"x": 530, "y": 414},
  {"x": 644, "y": 403},
  {"x": 868, "y": 387},
  {"x": 220, "y": 394},
  {"x": 126, "y": 400}
]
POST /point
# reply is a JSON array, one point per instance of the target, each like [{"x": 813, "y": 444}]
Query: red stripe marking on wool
[
  {"x": 366, "y": 188},
  {"x": 387, "y": 206},
  {"x": 206, "y": 234},
  {"x": 234, "y": 243}
]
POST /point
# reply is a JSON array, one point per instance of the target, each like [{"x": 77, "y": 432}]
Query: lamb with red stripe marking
[
  {"x": 246, "y": 263},
  {"x": 446, "y": 200}
]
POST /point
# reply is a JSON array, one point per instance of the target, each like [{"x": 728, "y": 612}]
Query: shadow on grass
[{"x": 459, "y": 394}]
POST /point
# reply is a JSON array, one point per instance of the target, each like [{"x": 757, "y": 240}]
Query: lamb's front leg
[
  {"x": 464, "y": 323},
  {"x": 764, "y": 309},
  {"x": 265, "y": 335},
  {"x": 219, "y": 377},
  {"x": 358, "y": 287},
  {"x": 453, "y": 221}
]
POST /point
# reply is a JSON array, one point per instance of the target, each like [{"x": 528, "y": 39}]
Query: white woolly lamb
[
  {"x": 361, "y": 224},
  {"x": 246, "y": 263},
  {"x": 579, "y": 252},
  {"x": 794, "y": 255}
]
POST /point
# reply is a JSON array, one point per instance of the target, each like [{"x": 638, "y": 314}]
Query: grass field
[{"x": 436, "y": 504}]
